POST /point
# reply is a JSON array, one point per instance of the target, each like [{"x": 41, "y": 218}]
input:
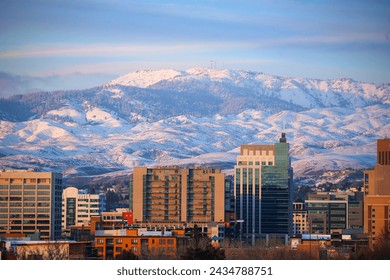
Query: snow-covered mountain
[{"x": 198, "y": 116}]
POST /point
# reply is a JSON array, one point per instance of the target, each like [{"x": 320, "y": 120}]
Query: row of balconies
[
  {"x": 164, "y": 209},
  {"x": 166, "y": 217},
  {"x": 165, "y": 186},
  {"x": 162, "y": 203},
  {"x": 163, "y": 197}
]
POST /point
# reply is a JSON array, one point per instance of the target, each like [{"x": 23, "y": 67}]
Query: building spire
[{"x": 283, "y": 138}]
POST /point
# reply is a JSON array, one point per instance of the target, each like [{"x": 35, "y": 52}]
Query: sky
[{"x": 50, "y": 44}]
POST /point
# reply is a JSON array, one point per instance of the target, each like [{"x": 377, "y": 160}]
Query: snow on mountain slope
[
  {"x": 320, "y": 139},
  {"x": 198, "y": 116},
  {"x": 145, "y": 78},
  {"x": 308, "y": 93},
  {"x": 72, "y": 114}
]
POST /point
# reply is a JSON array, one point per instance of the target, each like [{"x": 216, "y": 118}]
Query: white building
[{"x": 77, "y": 208}]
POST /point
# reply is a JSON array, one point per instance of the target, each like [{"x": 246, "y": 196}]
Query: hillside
[{"x": 199, "y": 116}]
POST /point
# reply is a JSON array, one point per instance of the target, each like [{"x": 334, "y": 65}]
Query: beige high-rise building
[
  {"x": 177, "y": 195},
  {"x": 376, "y": 216},
  {"x": 377, "y": 194},
  {"x": 377, "y": 180},
  {"x": 30, "y": 203}
]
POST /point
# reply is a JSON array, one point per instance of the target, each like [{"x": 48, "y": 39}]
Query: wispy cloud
[
  {"x": 87, "y": 36},
  {"x": 129, "y": 50},
  {"x": 91, "y": 50}
]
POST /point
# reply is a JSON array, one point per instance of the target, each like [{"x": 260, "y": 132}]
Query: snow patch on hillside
[{"x": 145, "y": 78}]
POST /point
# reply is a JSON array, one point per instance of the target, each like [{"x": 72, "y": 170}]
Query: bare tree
[
  {"x": 200, "y": 248},
  {"x": 46, "y": 251},
  {"x": 272, "y": 250}
]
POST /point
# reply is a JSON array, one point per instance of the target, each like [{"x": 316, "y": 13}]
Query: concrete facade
[
  {"x": 174, "y": 195},
  {"x": 377, "y": 195},
  {"x": 77, "y": 208},
  {"x": 30, "y": 203}
]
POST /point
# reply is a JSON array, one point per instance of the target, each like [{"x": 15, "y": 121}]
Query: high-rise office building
[
  {"x": 30, "y": 203},
  {"x": 263, "y": 190},
  {"x": 377, "y": 180},
  {"x": 330, "y": 212},
  {"x": 174, "y": 195},
  {"x": 377, "y": 194},
  {"x": 78, "y": 207}
]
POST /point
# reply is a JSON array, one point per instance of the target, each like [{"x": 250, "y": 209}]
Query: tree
[
  {"x": 201, "y": 249},
  {"x": 3, "y": 254},
  {"x": 46, "y": 251},
  {"x": 272, "y": 250},
  {"x": 380, "y": 251},
  {"x": 126, "y": 255}
]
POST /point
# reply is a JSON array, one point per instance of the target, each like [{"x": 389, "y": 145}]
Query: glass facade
[
  {"x": 264, "y": 192},
  {"x": 70, "y": 212}
]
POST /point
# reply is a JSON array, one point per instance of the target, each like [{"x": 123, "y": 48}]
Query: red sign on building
[{"x": 128, "y": 216}]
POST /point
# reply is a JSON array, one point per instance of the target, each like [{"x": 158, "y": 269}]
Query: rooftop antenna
[
  {"x": 211, "y": 64},
  {"x": 283, "y": 138}
]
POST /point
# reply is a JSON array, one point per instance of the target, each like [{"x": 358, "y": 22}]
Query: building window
[
  {"x": 99, "y": 241},
  {"x": 118, "y": 241}
]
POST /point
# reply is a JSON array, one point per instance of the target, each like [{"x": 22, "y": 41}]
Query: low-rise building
[
  {"x": 334, "y": 211},
  {"x": 141, "y": 242},
  {"x": 26, "y": 249},
  {"x": 300, "y": 225}
]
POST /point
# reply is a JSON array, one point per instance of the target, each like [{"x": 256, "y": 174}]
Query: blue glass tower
[{"x": 263, "y": 191}]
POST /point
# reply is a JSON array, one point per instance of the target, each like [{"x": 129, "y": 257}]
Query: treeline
[{"x": 151, "y": 104}]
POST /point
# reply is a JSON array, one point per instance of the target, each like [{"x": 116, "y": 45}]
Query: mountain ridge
[{"x": 198, "y": 116}]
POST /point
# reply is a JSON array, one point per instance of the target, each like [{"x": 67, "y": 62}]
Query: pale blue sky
[{"x": 98, "y": 40}]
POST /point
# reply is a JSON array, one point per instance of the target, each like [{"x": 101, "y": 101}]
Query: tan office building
[
  {"x": 174, "y": 195},
  {"x": 377, "y": 194},
  {"x": 377, "y": 180},
  {"x": 300, "y": 220},
  {"x": 30, "y": 203},
  {"x": 376, "y": 216}
]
